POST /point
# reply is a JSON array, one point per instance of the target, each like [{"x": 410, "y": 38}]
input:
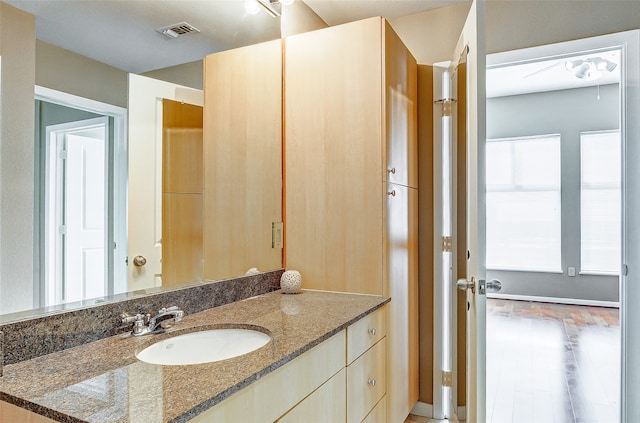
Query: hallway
[{"x": 552, "y": 363}]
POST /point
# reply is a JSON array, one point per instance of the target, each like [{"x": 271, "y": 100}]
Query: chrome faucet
[{"x": 144, "y": 323}]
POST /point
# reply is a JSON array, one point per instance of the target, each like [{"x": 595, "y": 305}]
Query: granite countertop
[{"x": 104, "y": 382}]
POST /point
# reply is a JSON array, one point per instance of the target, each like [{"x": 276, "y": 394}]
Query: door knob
[
  {"x": 139, "y": 261},
  {"x": 494, "y": 285},
  {"x": 464, "y": 284}
]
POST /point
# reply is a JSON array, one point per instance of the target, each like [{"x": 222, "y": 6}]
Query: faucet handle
[{"x": 129, "y": 318}]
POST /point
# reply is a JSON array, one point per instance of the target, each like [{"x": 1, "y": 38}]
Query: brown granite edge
[
  {"x": 34, "y": 337},
  {"x": 47, "y": 412},
  {"x": 188, "y": 415}
]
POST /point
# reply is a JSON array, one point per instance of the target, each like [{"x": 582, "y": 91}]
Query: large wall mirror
[{"x": 102, "y": 173}]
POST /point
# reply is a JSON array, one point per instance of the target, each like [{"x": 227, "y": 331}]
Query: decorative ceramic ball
[
  {"x": 290, "y": 282},
  {"x": 252, "y": 271}
]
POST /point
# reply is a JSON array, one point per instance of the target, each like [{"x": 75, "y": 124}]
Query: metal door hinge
[
  {"x": 63, "y": 155},
  {"x": 447, "y": 243},
  {"x": 447, "y": 105},
  {"x": 447, "y": 379}
]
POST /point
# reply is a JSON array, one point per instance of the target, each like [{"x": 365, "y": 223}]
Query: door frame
[
  {"x": 629, "y": 44},
  {"x": 116, "y": 188},
  {"x": 55, "y": 168}
]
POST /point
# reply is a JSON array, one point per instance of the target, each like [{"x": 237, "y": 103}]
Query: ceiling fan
[{"x": 588, "y": 69}]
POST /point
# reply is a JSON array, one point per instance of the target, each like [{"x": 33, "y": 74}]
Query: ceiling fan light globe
[{"x": 251, "y": 7}]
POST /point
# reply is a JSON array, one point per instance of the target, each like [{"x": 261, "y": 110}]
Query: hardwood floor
[{"x": 552, "y": 363}]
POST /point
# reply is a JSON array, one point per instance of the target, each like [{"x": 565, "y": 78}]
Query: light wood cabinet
[
  {"x": 242, "y": 159},
  {"x": 320, "y": 385},
  {"x": 273, "y": 395},
  {"x": 351, "y": 178}
]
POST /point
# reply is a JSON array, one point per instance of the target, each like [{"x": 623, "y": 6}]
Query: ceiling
[{"x": 122, "y": 33}]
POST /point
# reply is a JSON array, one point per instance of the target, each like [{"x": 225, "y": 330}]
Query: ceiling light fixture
[
  {"x": 589, "y": 69},
  {"x": 251, "y": 7},
  {"x": 272, "y": 7}
]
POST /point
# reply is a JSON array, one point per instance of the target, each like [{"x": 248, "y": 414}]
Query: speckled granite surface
[
  {"x": 103, "y": 381},
  {"x": 33, "y": 337}
]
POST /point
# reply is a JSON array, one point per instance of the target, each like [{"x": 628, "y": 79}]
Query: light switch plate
[
  {"x": 571, "y": 271},
  {"x": 276, "y": 234}
]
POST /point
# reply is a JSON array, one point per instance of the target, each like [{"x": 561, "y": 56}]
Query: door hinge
[
  {"x": 447, "y": 105},
  {"x": 447, "y": 244},
  {"x": 63, "y": 155},
  {"x": 447, "y": 379},
  {"x": 62, "y": 230}
]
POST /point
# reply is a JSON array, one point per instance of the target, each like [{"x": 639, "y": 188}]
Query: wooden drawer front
[
  {"x": 328, "y": 403},
  {"x": 364, "y": 333},
  {"x": 273, "y": 395},
  {"x": 379, "y": 412},
  {"x": 366, "y": 382}
]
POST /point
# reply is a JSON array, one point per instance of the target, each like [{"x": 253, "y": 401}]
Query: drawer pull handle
[
  {"x": 373, "y": 331},
  {"x": 392, "y": 193},
  {"x": 392, "y": 171},
  {"x": 372, "y": 382}
]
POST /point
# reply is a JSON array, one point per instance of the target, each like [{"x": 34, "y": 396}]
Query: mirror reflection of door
[
  {"x": 145, "y": 142},
  {"x": 75, "y": 210}
]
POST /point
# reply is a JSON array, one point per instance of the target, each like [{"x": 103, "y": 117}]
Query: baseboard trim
[
  {"x": 558, "y": 300},
  {"x": 422, "y": 409}
]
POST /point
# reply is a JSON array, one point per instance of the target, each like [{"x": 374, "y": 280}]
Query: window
[
  {"x": 600, "y": 202},
  {"x": 523, "y": 204}
]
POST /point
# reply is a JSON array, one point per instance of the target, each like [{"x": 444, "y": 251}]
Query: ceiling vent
[{"x": 177, "y": 30}]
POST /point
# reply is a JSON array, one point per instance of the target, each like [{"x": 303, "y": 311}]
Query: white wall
[{"x": 17, "y": 48}]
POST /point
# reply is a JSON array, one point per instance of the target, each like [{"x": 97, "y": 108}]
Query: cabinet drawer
[
  {"x": 379, "y": 412},
  {"x": 366, "y": 382},
  {"x": 364, "y": 333},
  {"x": 326, "y": 404}
]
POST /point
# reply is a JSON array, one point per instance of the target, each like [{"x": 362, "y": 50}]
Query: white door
[
  {"x": 470, "y": 55},
  {"x": 145, "y": 175},
  {"x": 76, "y": 213},
  {"x": 85, "y": 216}
]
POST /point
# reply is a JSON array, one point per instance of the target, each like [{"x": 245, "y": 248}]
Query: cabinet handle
[
  {"x": 392, "y": 193},
  {"x": 372, "y": 382},
  {"x": 392, "y": 170},
  {"x": 373, "y": 331}
]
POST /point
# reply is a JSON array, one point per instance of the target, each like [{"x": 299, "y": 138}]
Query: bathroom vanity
[{"x": 326, "y": 359}]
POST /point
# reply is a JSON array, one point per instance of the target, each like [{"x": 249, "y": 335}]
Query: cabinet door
[
  {"x": 333, "y": 156},
  {"x": 400, "y": 85},
  {"x": 242, "y": 159},
  {"x": 401, "y": 258}
]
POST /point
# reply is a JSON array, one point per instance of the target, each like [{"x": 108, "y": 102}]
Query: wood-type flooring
[{"x": 551, "y": 363}]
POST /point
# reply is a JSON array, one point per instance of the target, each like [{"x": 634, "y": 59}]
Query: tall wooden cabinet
[
  {"x": 351, "y": 178},
  {"x": 242, "y": 193}
]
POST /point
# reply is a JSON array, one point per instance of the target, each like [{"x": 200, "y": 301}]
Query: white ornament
[{"x": 290, "y": 282}]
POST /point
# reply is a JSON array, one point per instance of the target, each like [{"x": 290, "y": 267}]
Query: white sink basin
[{"x": 203, "y": 347}]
